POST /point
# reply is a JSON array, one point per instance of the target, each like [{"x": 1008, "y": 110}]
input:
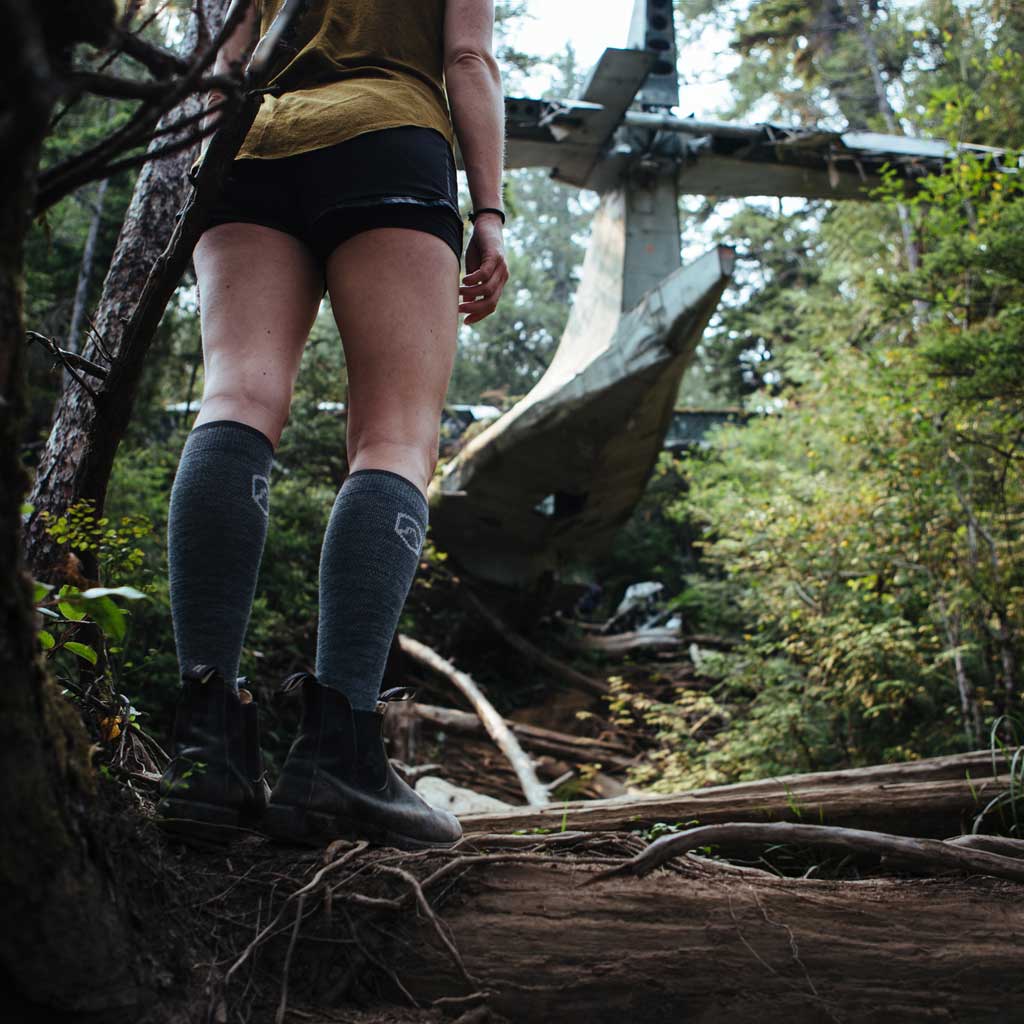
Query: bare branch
[
  {"x": 159, "y": 62},
  {"x": 94, "y": 163},
  {"x": 72, "y": 362},
  {"x": 536, "y": 792},
  {"x": 120, "y": 88}
]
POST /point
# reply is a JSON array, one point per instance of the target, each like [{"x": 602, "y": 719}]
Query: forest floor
[
  {"x": 535, "y": 923},
  {"x": 607, "y": 903}
]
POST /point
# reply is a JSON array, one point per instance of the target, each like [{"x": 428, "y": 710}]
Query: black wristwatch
[{"x": 486, "y": 209}]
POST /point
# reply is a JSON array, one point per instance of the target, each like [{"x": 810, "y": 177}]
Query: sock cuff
[
  {"x": 383, "y": 481},
  {"x": 236, "y": 436}
]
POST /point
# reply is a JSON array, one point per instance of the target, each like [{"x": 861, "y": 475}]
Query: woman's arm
[
  {"x": 236, "y": 50},
  {"x": 473, "y": 83}
]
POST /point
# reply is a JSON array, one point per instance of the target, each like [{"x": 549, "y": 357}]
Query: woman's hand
[{"x": 486, "y": 269}]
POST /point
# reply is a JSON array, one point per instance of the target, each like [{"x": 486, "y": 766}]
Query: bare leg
[
  {"x": 395, "y": 298},
  {"x": 259, "y": 292}
]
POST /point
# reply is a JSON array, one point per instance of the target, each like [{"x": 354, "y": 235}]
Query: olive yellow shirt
[{"x": 362, "y": 65}]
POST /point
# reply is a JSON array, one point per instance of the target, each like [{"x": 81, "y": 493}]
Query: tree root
[{"x": 933, "y": 854}]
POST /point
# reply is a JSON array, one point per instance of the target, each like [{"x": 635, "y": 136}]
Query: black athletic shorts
[{"x": 395, "y": 178}]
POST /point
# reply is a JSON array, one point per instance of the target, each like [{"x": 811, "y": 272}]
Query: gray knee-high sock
[
  {"x": 216, "y": 529},
  {"x": 370, "y": 554}
]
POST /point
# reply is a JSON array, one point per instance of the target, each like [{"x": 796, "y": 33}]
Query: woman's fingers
[
  {"x": 485, "y": 260},
  {"x": 481, "y": 299}
]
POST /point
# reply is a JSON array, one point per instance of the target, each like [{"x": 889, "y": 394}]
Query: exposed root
[
  {"x": 345, "y": 904},
  {"x": 930, "y": 854}
]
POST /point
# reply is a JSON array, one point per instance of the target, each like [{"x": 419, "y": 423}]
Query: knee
[
  {"x": 415, "y": 459},
  {"x": 266, "y": 403}
]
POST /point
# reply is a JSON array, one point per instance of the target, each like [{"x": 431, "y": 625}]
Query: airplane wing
[{"x": 589, "y": 141}]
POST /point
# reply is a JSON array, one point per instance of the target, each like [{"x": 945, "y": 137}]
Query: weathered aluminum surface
[{"x": 552, "y": 480}]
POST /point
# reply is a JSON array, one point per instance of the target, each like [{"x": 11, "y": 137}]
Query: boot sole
[
  {"x": 289, "y": 824},
  {"x": 209, "y": 824}
]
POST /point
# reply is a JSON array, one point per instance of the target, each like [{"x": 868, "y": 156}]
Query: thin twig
[
  {"x": 69, "y": 359},
  {"x": 52, "y": 347}
]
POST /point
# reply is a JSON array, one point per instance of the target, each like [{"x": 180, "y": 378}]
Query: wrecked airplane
[{"x": 550, "y": 482}]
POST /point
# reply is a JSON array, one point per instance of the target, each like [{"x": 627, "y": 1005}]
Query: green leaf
[
  {"x": 71, "y": 611},
  {"x": 82, "y": 650},
  {"x": 27, "y": 508},
  {"x": 40, "y": 590},
  {"x": 107, "y": 616},
  {"x": 128, "y": 592},
  {"x": 46, "y": 639}
]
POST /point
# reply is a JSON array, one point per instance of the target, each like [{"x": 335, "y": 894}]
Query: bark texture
[
  {"x": 935, "y": 797},
  {"x": 79, "y": 454},
  {"x": 63, "y": 943},
  {"x": 704, "y": 946}
]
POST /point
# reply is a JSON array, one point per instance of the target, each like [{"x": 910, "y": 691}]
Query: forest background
[{"x": 855, "y": 538}]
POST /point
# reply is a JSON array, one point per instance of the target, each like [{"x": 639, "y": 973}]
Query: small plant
[
  {"x": 70, "y": 610},
  {"x": 1009, "y": 804},
  {"x": 196, "y": 768},
  {"x": 115, "y": 547},
  {"x": 661, "y": 828}
]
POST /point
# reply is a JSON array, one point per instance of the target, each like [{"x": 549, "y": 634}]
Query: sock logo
[
  {"x": 261, "y": 493},
  {"x": 409, "y": 532}
]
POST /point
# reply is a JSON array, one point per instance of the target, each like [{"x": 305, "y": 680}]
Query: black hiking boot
[
  {"x": 337, "y": 782},
  {"x": 214, "y": 787}
]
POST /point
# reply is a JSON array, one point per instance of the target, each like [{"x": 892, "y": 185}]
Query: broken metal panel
[
  {"x": 652, "y": 232},
  {"x": 651, "y": 28},
  {"x": 597, "y": 305},
  {"x": 552, "y": 480},
  {"x": 612, "y": 85},
  {"x": 719, "y": 176}
]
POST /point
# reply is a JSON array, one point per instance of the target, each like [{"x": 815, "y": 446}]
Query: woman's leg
[
  {"x": 395, "y": 297},
  {"x": 259, "y": 292}
]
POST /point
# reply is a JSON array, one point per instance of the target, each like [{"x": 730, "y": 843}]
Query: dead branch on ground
[
  {"x": 533, "y": 737},
  {"x": 536, "y": 792}
]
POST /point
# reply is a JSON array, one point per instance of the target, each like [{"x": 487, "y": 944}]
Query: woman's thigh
[
  {"x": 259, "y": 291},
  {"x": 395, "y": 297}
]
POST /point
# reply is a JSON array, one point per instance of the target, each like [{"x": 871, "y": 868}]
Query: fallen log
[
  {"x": 535, "y": 791},
  {"x": 715, "y": 947},
  {"x": 934, "y": 797},
  {"x": 659, "y": 638},
  {"x": 533, "y": 737},
  {"x": 516, "y": 927}
]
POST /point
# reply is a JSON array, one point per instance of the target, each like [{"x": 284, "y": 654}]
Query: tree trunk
[
  {"x": 80, "y": 452},
  {"x": 74, "y": 338},
  {"x": 891, "y": 122},
  {"x": 712, "y": 946},
  {"x": 63, "y": 945},
  {"x": 935, "y": 797}
]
